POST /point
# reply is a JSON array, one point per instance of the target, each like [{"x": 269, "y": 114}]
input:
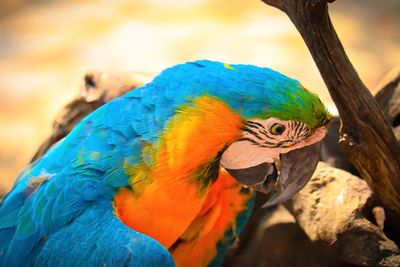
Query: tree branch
[{"x": 366, "y": 136}]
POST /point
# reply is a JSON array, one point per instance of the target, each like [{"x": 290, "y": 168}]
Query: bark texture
[{"x": 366, "y": 135}]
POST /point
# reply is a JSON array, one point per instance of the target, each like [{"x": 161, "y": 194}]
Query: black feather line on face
[
  {"x": 296, "y": 131},
  {"x": 265, "y": 133},
  {"x": 285, "y": 143},
  {"x": 253, "y": 133},
  {"x": 254, "y": 124},
  {"x": 292, "y": 125},
  {"x": 249, "y": 140},
  {"x": 268, "y": 146},
  {"x": 260, "y": 128}
]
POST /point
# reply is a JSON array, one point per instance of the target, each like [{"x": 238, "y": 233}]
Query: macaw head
[{"x": 281, "y": 124}]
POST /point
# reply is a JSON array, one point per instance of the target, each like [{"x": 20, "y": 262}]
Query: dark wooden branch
[{"x": 366, "y": 136}]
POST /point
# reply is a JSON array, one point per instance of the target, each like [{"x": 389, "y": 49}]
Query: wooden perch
[{"x": 366, "y": 136}]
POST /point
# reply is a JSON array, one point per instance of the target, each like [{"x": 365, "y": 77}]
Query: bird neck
[
  {"x": 194, "y": 139},
  {"x": 165, "y": 197}
]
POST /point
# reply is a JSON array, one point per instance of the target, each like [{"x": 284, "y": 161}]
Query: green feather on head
[{"x": 299, "y": 105}]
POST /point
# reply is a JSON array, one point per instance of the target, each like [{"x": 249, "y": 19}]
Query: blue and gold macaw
[{"x": 161, "y": 175}]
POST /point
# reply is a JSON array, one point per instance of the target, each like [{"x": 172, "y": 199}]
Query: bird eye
[{"x": 277, "y": 129}]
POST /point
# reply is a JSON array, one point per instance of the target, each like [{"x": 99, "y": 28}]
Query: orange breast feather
[
  {"x": 169, "y": 203},
  {"x": 223, "y": 203}
]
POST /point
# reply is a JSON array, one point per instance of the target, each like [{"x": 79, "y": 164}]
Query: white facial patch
[
  {"x": 262, "y": 143},
  {"x": 243, "y": 154}
]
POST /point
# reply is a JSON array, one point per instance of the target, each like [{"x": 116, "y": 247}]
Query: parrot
[{"x": 166, "y": 174}]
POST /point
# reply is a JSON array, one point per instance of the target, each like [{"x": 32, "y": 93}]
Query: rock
[
  {"x": 278, "y": 241},
  {"x": 105, "y": 86},
  {"x": 331, "y": 210}
]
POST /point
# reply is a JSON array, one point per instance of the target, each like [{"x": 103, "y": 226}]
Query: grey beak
[{"x": 296, "y": 169}]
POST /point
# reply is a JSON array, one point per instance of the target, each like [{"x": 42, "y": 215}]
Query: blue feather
[
  {"x": 87, "y": 168},
  {"x": 103, "y": 240}
]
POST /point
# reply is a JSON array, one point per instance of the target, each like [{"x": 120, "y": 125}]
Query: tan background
[{"x": 47, "y": 46}]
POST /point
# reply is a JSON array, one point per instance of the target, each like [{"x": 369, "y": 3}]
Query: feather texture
[{"x": 154, "y": 154}]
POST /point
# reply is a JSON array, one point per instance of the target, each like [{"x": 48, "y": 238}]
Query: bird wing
[
  {"x": 98, "y": 238},
  {"x": 85, "y": 168}
]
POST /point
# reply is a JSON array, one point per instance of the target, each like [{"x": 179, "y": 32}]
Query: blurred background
[{"x": 46, "y": 47}]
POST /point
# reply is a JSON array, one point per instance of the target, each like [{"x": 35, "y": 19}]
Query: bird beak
[{"x": 281, "y": 183}]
